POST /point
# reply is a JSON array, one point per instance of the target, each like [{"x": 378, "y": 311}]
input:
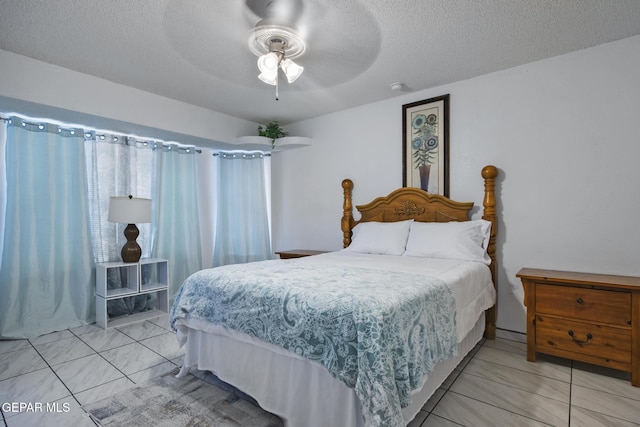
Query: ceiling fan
[
  {"x": 275, "y": 40},
  {"x": 331, "y": 40}
]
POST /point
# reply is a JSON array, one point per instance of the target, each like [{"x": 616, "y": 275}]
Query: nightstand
[
  {"x": 592, "y": 318},
  {"x": 298, "y": 253},
  {"x": 147, "y": 276}
]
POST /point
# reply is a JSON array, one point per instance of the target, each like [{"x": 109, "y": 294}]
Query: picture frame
[{"x": 425, "y": 145}]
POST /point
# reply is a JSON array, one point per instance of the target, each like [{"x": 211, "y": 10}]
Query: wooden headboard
[{"x": 413, "y": 203}]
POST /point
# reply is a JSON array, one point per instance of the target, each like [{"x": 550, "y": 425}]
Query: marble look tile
[
  {"x": 165, "y": 344},
  {"x": 64, "y": 412},
  {"x": 581, "y": 417},
  {"x": 37, "y": 386},
  {"x": 86, "y": 329},
  {"x": 605, "y": 403},
  {"x": 435, "y": 421},
  {"x": 162, "y": 321},
  {"x": 494, "y": 385},
  {"x": 55, "y": 336},
  {"x": 434, "y": 399},
  {"x": 102, "y": 340},
  {"x": 63, "y": 350},
  {"x": 511, "y": 335},
  {"x": 152, "y": 372},
  {"x": 20, "y": 362},
  {"x": 467, "y": 411},
  {"x": 418, "y": 419},
  {"x": 542, "y": 367},
  {"x": 544, "y": 386},
  {"x": 7, "y": 346},
  {"x": 604, "y": 379},
  {"x": 465, "y": 361},
  {"x": 477, "y": 347},
  {"x": 602, "y": 370},
  {"x": 512, "y": 399},
  {"x": 132, "y": 358},
  {"x": 517, "y": 347},
  {"x": 87, "y": 372},
  {"x": 507, "y": 346},
  {"x": 448, "y": 382},
  {"x": 142, "y": 330},
  {"x": 178, "y": 361},
  {"x": 103, "y": 391}
]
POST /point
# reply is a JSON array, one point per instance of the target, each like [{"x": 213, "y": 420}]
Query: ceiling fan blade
[{"x": 281, "y": 12}]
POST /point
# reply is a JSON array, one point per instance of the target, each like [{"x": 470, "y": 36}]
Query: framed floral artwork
[{"x": 425, "y": 145}]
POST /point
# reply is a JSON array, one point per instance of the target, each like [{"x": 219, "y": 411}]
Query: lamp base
[{"x": 131, "y": 251}]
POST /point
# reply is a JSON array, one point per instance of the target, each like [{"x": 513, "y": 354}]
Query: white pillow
[
  {"x": 384, "y": 238},
  {"x": 466, "y": 240}
]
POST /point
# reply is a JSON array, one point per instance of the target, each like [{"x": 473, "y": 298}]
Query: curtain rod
[
  {"x": 102, "y": 134},
  {"x": 245, "y": 154}
]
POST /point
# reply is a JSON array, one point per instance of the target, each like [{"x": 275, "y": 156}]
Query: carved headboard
[{"x": 413, "y": 203}]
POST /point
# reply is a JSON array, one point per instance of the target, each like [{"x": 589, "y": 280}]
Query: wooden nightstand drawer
[
  {"x": 595, "y": 305},
  {"x": 593, "y": 318},
  {"x": 583, "y": 338}
]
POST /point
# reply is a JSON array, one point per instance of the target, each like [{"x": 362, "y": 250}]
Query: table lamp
[{"x": 130, "y": 210}]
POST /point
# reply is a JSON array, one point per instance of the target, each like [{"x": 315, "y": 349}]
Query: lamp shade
[{"x": 129, "y": 210}]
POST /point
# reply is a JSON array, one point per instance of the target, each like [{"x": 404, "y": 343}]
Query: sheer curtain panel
[
  {"x": 117, "y": 166},
  {"x": 242, "y": 219},
  {"x": 46, "y": 278},
  {"x": 175, "y": 207},
  {"x": 3, "y": 180}
]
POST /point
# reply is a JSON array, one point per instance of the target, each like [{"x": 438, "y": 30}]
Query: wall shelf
[{"x": 262, "y": 143}]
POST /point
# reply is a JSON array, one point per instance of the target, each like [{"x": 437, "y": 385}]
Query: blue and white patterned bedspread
[{"x": 379, "y": 332}]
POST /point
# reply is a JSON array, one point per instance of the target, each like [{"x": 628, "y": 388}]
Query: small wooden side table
[
  {"x": 298, "y": 253},
  {"x": 593, "y": 318}
]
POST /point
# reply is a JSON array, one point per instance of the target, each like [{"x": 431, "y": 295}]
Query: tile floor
[
  {"x": 494, "y": 386},
  {"x": 79, "y": 366}
]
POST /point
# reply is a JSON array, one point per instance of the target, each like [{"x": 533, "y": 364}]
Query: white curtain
[
  {"x": 46, "y": 279},
  {"x": 175, "y": 207},
  {"x": 242, "y": 213},
  {"x": 3, "y": 180},
  {"x": 116, "y": 167}
]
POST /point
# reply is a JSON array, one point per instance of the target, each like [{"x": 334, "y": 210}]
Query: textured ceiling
[{"x": 196, "y": 51}]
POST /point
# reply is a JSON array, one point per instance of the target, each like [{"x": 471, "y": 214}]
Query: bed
[{"x": 357, "y": 337}]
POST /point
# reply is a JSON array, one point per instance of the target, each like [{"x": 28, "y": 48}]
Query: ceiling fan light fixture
[
  {"x": 270, "y": 78},
  {"x": 263, "y": 38},
  {"x": 276, "y": 46},
  {"x": 291, "y": 70},
  {"x": 268, "y": 62}
]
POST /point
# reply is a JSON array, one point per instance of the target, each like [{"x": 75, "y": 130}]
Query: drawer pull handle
[
  {"x": 579, "y": 300},
  {"x": 580, "y": 343}
]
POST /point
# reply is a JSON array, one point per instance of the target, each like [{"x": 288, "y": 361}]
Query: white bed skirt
[{"x": 303, "y": 393}]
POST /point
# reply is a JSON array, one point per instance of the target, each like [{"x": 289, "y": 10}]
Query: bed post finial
[
  {"x": 347, "y": 213},
  {"x": 489, "y": 173}
]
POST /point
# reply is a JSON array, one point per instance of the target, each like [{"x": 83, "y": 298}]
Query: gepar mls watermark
[{"x": 19, "y": 407}]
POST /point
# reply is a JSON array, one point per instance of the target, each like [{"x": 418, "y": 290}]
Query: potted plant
[{"x": 273, "y": 130}]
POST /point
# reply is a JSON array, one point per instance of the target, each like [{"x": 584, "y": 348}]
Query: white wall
[
  {"x": 39, "y": 89},
  {"x": 563, "y": 133}
]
